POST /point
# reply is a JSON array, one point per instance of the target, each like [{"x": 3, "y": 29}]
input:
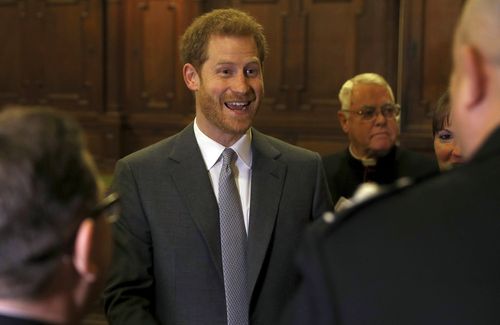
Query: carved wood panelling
[
  {"x": 426, "y": 39},
  {"x": 69, "y": 53},
  {"x": 130, "y": 92},
  {"x": 114, "y": 74},
  {"x": 154, "y": 79},
  {"x": 154, "y": 56},
  {"x": 326, "y": 63},
  {"x": 13, "y": 86},
  {"x": 437, "y": 47}
]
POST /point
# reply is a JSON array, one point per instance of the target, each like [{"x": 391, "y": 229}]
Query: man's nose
[
  {"x": 240, "y": 83},
  {"x": 380, "y": 118}
]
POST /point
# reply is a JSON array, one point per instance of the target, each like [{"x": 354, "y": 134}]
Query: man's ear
[
  {"x": 343, "y": 120},
  {"x": 82, "y": 256},
  {"x": 191, "y": 77},
  {"x": 474, "y": 76}
]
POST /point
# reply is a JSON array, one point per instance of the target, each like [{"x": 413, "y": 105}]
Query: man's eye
[
  {"x": 388, "y": 109},
  {"x": 367, "y": 111},
  {"x": 251, "y": 72},
  {"x": 224, "y": 72}
]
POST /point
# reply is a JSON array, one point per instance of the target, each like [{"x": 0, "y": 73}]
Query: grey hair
[{"x": 363, "y": 78}]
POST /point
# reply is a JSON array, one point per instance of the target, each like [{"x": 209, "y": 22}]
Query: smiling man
[
  {"x": 204, "y": 239},
  {"x": 370, "y": 118}
]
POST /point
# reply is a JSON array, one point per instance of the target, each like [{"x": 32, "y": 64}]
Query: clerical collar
[{"x": 366, "y": 161}]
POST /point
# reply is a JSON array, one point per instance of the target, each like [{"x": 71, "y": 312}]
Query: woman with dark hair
[{"x": 446, "y": 148}]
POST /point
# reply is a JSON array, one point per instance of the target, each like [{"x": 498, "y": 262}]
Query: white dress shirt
[{"x": 211, "y": 152}]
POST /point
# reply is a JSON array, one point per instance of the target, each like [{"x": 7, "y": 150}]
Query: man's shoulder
[
  {"x": 156, "y": 151},
  {"x": 150, "y": 152}
]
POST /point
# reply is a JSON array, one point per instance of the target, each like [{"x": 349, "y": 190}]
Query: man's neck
[{"x": 365, "y": 160}]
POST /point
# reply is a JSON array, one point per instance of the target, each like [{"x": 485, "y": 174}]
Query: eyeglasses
[
  {"x": 368, "y": 113},
  {"x": 108, "y": 207}
]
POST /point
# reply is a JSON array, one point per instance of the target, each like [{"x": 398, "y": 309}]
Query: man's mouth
[
  {"x": 386, "y": 134},
  {"x": 237, "y": 105}
]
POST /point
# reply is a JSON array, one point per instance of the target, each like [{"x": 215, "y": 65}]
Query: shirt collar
[
  {"x": 211, "y": 150},
  {"x": 364, "y": 160}
]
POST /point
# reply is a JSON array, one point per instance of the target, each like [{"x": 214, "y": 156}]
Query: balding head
[
  {"x": 475, "y": 80},
  {"x": 479, "y": 26}
]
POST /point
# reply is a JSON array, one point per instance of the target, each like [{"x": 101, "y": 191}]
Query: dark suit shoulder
[
  {"x": 179, "y": 145},
  {"x": 152, "y": 151}
]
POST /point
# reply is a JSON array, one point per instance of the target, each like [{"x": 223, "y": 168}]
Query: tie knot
[{"x": 228, "y": 156}]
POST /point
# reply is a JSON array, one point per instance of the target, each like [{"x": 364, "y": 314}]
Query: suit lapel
[
  {"x": 192, "y": 180},
  {"x": 268, "y": 176}
]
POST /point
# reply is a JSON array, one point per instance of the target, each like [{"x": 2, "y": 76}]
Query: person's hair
[
  {"x": 345, "y": 92},
  {"x": 224, "y": 22},
  {"x": 47, "y": 186},
  {"x": 441, "y": 114}
]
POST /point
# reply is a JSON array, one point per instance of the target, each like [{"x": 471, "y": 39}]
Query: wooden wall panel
[
  {"x": 152, "y": 57},
  {"x": 69, "y": 53},
  {"x": 114, "y": 38},
  {"x": 437, "y": 47},
  {"x": 13, "y": 86},
  {"x": 323, "y": 64},
  {"x": 115, "y": 64},
  {"x": 425, "y": 63},
  {"x": 157, "y": 102}
]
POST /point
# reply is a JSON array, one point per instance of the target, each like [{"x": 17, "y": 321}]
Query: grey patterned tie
[{"x": 233, "y": 243}]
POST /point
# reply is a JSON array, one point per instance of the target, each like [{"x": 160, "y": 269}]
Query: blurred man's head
[
  {"x": 475, "y": 81},
  {"x": 369, "y": 115},
  {"x": 52, "y": 242}
]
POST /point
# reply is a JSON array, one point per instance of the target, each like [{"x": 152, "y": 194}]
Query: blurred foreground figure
[
  {"x": 54, "y": 239},
  {"x": 426, "y": 253}
]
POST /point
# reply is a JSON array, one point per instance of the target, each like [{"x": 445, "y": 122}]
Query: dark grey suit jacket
[{"x": 167, "y": 264}]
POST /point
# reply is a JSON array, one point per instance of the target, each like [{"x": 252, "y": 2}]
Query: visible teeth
[{"x": 237, "y": 105}]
